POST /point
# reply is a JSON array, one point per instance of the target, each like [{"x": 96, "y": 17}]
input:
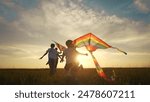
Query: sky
[{"x": 27, "y": 28}]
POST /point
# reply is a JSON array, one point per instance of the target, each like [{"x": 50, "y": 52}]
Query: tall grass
[{"x": 124, "y": 76}]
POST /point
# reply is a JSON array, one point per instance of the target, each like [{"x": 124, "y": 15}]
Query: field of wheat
[{"x": 123, "y": 76}]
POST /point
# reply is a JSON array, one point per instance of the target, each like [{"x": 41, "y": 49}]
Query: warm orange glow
[
  {"x": 80, "y": 59},
  {"x": 85, "y": 61}
]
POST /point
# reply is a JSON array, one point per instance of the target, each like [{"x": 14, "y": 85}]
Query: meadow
[{"x": 124, "y": 76}]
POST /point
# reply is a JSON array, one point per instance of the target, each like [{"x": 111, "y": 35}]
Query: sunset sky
[{"x": 27, "y": 27}]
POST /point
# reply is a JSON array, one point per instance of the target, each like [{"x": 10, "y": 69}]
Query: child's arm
[
  {"x": 44, "y": 54},
  {"x": 62, "y": 58},
  {"x": 82, "y": 53}
]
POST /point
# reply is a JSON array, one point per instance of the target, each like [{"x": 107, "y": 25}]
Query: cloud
[
  {"x": 12, "y": 51},
  {"x": 143, "y": 5},
  {"x": 33, "y": 29},
  {"x": 52, "y": 20}
]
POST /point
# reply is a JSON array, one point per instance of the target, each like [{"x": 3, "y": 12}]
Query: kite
[
  {"x": 91, "y": 42},
  {"x": 60, "y": 47}
]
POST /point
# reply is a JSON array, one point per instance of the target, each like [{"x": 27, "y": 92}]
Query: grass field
[{"x": 124, "y": 76}]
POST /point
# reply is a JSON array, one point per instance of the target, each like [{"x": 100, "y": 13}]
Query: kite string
[{"x": 119, "y": 50}]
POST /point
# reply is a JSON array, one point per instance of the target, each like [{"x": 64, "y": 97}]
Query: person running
[
  {"x": 52, "y": 58},
  {"x": 70, "y": 53}
]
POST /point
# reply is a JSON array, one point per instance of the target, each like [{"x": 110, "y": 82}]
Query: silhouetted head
[
  {"x": 52, "y": 45},
  {"x": 69, "y": 43},
  {"x": 56, "y": 49}
]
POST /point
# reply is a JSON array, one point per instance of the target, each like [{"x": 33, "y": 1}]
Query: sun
[
  {"x": 81, "y": 59},
  {"x": 84, "y": 60}
]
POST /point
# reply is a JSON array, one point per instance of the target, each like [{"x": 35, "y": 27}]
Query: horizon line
[{"x": 83, "y": 68}]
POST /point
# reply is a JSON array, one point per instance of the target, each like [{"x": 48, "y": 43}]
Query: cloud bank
[{"x": 32, "y": 30}]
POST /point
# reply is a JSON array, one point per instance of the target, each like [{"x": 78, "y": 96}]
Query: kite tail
[
  {"x": 99, "y": 69},
  {"x": 119, "y": 50}
]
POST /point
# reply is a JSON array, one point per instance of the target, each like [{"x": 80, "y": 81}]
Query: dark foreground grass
[{"x": 124, "y": 76}]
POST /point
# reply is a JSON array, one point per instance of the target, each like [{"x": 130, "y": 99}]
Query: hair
[
  {"x": 52, "y": 45},
  {"x": 69, "y": 43}
]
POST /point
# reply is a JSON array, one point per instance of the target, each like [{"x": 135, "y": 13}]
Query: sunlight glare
[{"x": 84, "y": 60}]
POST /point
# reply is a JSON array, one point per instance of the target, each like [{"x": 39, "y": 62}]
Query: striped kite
[{"x": 91, "y": 42}]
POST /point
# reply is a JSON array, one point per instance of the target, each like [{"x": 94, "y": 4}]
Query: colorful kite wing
[{"x": 91, "y": 41}]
